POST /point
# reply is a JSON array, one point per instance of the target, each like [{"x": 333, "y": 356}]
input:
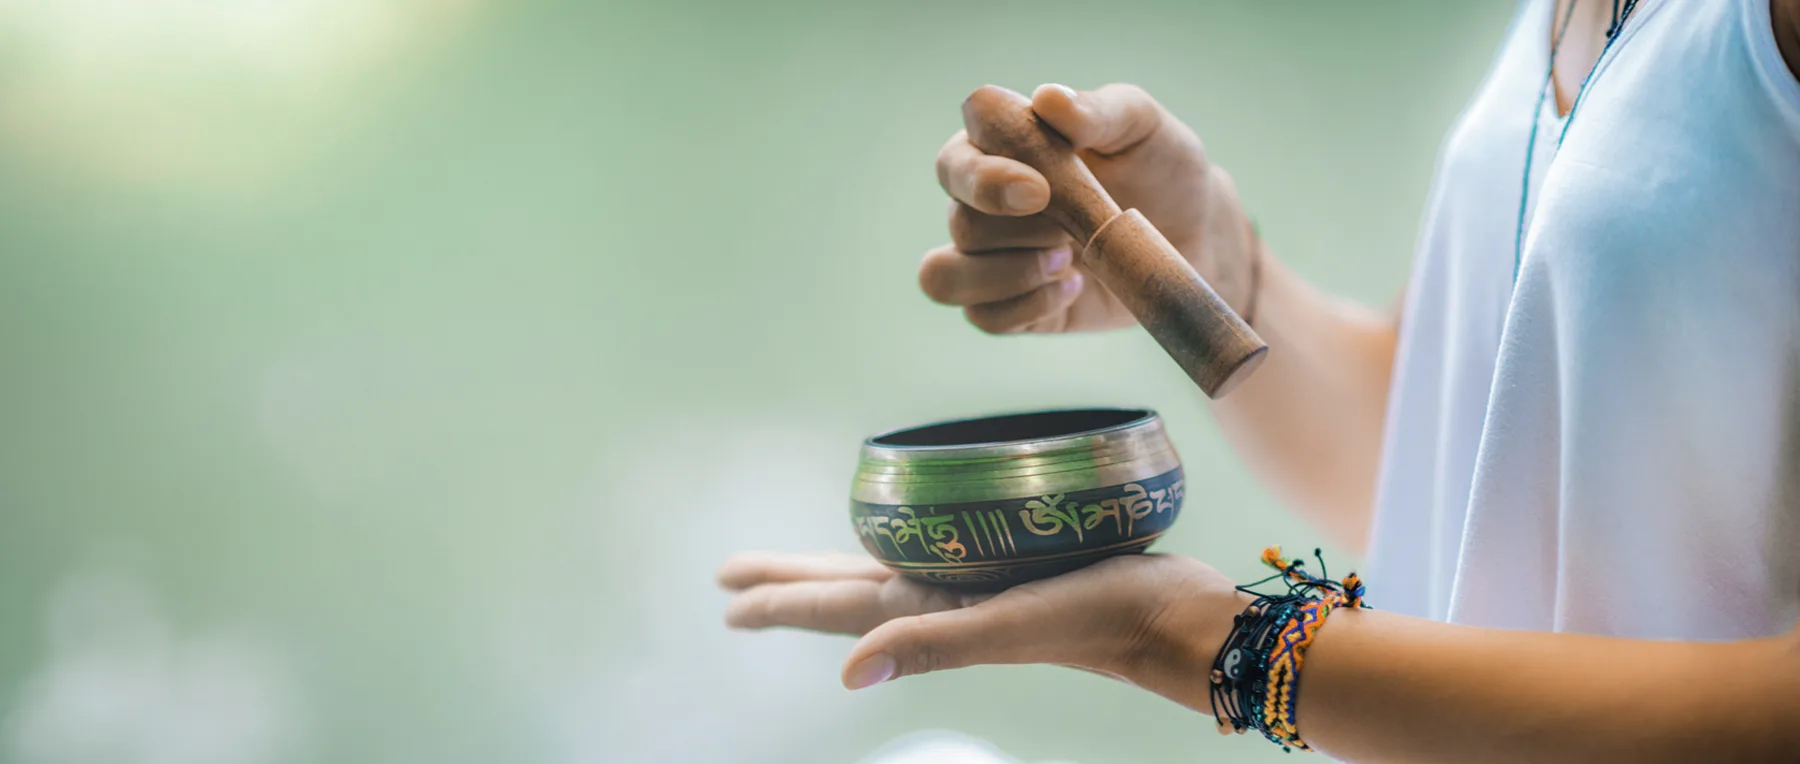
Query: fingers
[
  {"x": 951, "y": 277},
  {"x": 991, "y": 184},
  {"x": 1006, "y": 629},
  {"x": 1019, "y": 313},
  {"x": 852, "y": 606},
  {"x": 1110, "y": 120},
  {"x": 842, "y": 606},
  {"x": 1015, "y": 284},
  {"x": 975, "y": 231},
  {"x": 1024, "y": 272},
  {"x": 750, "y": 569}
]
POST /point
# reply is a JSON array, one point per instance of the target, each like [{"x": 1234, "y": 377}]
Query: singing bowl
[{"x": 979, "y": 505}]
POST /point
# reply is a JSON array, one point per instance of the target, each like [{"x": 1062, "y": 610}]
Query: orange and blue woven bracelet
[{"x": 1256, "y": 674}]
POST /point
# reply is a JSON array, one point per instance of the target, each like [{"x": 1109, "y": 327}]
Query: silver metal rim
[{"x": 1117, "y": 454}]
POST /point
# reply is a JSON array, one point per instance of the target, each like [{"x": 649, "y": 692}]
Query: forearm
[
  {"x": 1309, "y": 422},
  {"x": 1378, "y": 687}
]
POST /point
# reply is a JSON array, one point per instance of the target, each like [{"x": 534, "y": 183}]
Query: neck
[{"x": 1582, "y": 41}]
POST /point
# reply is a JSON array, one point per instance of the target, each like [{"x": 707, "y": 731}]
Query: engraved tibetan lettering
[
  {"x": 973, "y": 536},
  {"x": 1005, "y": 530},
  {"x": 865, "y": 532},
  {"x": 987, "y": 530},
  {"x": 906, "y": 529},
  {"x": 1050, "y": 511},
  {"x": 880, "y": 524},
  {"x": 946, "y": 543},
  {"x": 1096, "y": 513},
  {"x": 1136, "y": 505},
  {"x": 936, "y": 535}
]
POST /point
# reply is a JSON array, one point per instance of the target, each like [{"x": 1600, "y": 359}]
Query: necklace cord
[
  {"x": 1620, "y": 14},
  {"x": 1531, "y": 140}
]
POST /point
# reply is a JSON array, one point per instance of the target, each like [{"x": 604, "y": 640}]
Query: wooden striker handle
[{"x": 1203, "y": 334}]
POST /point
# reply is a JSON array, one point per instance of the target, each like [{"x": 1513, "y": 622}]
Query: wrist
[{"x": 1183, "y": 639}]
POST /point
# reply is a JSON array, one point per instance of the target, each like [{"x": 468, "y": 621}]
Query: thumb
[
  {"x": 996, "y": 631},
  {"x": 1107, "y": 121}
]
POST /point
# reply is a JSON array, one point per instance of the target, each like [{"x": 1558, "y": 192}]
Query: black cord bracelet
[
  {"x": 1240, "y": 671},
  {"x": 1258, "y": 663}
]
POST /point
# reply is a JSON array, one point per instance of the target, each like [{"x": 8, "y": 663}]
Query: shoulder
[{"x": 1786, "y": 17}]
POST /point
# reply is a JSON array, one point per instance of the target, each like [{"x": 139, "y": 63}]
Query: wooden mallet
[{"x": 1203, "y": 334}]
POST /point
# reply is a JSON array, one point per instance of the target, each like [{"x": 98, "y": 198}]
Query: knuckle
[
  {"x": 983, "y": 102},
  {"x": 1133, "y": 99},
  {"x": 1136, "y": 117},
  {"x": 923, "y": 659},
  {"x": 1132, "y": 93}
]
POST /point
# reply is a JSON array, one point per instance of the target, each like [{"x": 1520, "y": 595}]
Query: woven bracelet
[{"x": 1255, "y": 676}]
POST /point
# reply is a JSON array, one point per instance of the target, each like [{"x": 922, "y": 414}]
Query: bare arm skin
[
  {"x": 1375, "y": 687},
  {"x": 1308, "y": 422},
  {"x": 1386, "y": 688}
]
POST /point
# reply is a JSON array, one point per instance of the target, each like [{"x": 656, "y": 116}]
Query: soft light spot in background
[
  {"x": 124, "y": 685},
  {"x": 200, "y": 95},
  {"x": 941, "y": 747},
  {"x": 682, "y": 501}
]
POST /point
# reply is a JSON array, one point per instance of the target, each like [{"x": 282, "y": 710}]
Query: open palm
[{"x": 1104, "y": 618}]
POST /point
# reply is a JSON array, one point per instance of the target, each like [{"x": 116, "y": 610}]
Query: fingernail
[
  {"x": 1074, "y": 98},
  {"x": 1072, "y": 284},
  {"x": 1057, "y": 260},
  {"x": 1025, "y": 197},
  {"x": 873, "y": 670}
]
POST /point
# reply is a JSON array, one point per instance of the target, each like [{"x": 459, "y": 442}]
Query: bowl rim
[{"x": 1146, "y": 415}]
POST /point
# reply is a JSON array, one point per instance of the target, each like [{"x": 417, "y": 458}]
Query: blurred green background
[{"x": 381, "y": 380}]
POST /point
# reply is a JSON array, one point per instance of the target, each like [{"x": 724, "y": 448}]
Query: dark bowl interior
[{"x": 1010, "y": 428}]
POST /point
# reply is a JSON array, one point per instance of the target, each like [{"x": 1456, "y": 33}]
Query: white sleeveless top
[{"x": 1612, "y": 446}]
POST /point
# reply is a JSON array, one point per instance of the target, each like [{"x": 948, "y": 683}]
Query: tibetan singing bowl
[{"x": 978, "y": 505}]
